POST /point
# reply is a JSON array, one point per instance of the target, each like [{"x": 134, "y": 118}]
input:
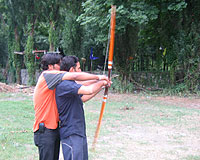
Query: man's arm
[
  {"x": 93, "y": 88},
  {"x": 87, "y": 83},
  {"x": 83, "y": 76},
  {"x": 86, "y": 98}
]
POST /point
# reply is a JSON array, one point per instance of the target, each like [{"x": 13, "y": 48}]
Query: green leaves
[
  {"x": 142, "y": 13},
  {"x": 30, "y": 59},
  {"x": 179, "y": 5},
  {"x": 142, "y": 27}
]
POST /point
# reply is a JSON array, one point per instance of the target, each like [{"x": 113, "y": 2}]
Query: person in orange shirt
[{"x": 46, "y": 132}]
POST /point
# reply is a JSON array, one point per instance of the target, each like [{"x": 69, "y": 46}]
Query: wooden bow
[{"x": 110, "y": 62}]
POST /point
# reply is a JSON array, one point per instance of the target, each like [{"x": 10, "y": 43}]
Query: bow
[{"x": 110, "y": 62}]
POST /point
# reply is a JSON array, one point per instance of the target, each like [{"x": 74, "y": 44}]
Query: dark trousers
[
  {"x": 74, "y": 147},
  {"x": 48, "y": 143}
]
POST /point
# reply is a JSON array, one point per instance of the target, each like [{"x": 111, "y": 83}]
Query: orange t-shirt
[{"x": 44, "y": 99}]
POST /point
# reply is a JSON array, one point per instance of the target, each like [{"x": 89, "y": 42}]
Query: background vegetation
[{"x": 151, "y": 36}]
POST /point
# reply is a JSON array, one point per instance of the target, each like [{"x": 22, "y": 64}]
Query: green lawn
[
  {"x": 16, "y": 122},
  {"x": 133, "y": 127}
]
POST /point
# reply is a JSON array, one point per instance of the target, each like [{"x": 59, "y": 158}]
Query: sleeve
[
  {"x": 53, "y": 80},
  {"x": 68, "y": 87}
]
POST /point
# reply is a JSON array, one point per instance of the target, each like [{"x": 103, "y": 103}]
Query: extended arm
[
  {"x": 83, "y": 76},
  {"x": 86, "y": 98},
  {"x": 92, "y": 89},
  {"x": 87, "y": 83}
]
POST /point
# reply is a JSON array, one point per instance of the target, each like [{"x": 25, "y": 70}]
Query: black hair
[
  {"x": 68, "y": 62},
  {"x": 50, "y": 59}
]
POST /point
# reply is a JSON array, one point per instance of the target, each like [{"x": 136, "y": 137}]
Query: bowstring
[{"x": 107, "y": 49}]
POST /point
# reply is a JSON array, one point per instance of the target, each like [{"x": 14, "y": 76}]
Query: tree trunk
[
  {"x": 17, "y": 57},
  {"x": 51, "y": 38}
]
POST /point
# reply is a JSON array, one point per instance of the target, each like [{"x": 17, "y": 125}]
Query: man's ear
[
  {"x": 71, "y": 69},
  {"x": 50, "y": 67}
]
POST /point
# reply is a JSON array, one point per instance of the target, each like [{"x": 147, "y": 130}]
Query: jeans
[
  {"x": 75, "y": 148},
  {"x": 48, "y": 143}
]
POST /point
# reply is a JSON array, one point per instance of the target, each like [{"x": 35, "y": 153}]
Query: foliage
[
  {"x": 52, "y": 36},
  {"x": 187, "y": 50},
  {"x": 72, "y": 35},
  {"x": 12, "y": 69},
  {"x": 2, "y": 78},
  {"x": 177, "y": 6},
  {"x": 3, "y": 44},
  {"x": 150, "y": 35},
  {"x": 30, "y": 59},
  {"x": 17, "y": 61}
]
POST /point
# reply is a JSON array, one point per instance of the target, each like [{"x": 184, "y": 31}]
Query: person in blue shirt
[{"x": 69, "y": 98}]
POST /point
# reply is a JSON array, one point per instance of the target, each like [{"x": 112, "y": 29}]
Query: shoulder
[
  {"x": 53, "y": 72},
  {"x": 68, "y": 84}
]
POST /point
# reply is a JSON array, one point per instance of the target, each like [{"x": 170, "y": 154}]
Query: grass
[
  {"x": 16, "y": 121},
  {"x": 133, "y": 127}
]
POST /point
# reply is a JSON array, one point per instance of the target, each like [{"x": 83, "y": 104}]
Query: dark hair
[
  {"x": 50, "y": 59},
  {"x": 68, "y": 62}
]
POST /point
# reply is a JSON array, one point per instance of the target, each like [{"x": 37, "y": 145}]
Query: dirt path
[
  {"x": 16, "y": 88},
  {"x": 191, "y": 102}
]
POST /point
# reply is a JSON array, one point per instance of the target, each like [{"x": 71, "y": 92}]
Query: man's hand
[
  {"x": 107, "y": 83},
  {"x": 103, "y": 77}
]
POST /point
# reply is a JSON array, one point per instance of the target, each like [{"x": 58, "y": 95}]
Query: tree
[{"x": 15, "y": 21}]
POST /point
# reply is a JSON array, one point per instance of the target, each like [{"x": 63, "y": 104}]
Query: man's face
[{"x": 77, "y": 68}]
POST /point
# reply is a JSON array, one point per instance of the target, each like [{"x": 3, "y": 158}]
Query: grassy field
[
  {"x": 134, "y": 127},
  {"x": 16, "y": 121}
]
